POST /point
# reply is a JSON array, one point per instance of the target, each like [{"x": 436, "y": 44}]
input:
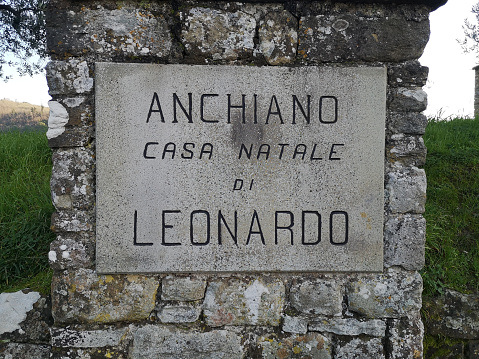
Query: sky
[{"x": 450, "y": 85}]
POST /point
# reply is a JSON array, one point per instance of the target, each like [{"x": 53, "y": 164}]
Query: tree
[
  {"x": 471, "y": 31},
  {"x": 22, "y": 36}
]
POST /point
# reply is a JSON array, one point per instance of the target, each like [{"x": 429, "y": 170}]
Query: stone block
[
  {"x": 73, "y": 221},
  {"x": 179, "y": 313},
  {"x": 84, "y": 296},
  {"x": 409, "y": 73},
  {"x": 70, "y": 338},
  {"x": 321, "y": 296},
  {"x": 404, "y": 242},
  {"x": 237, "y": 301},
  {"x": 278, "y": 37},
  {"x": 72, "y": 250},
  {"x": 70, "y": 77},
  {"x": 362, "y": 32},
  {"x": 105, "y": 33},
  {"x": 21, "y": 350},
  {"x": 406, "y": 150},
  {"x": 359, "y": 348},
  {"x": 407, "y": 99},
  {"x": 161, "y": 342},
  {"x": 405, "y": 338},
  {"x": 411, "y": 123},
  {"x": 311, "y": 345},
  {"x": 25, "y": 317},
  {"x": 217, "y": 35},
  {"x": 297, "y": 325},
  {"x": 89, "y": 353},
  {"x": 182, "y": 288},
  {"x": 394, "y": 294},
  {"x": 473, "y": 349},
  {"x": 349, "y": 326},
  {"x": 406, "y": 189}
]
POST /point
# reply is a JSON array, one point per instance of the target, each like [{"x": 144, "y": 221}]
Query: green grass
[
  {"x": 25, "y": 210},
  {"x": 452, "y": 207}
]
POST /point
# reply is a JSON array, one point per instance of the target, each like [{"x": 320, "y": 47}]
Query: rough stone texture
[
  {"x": 321, "y": 296},
  {"x": 405, "y": 238},
  {"x": 216, "y": 35},
  {"x": 405, "y": 338},
  {"x": 237, "y": 301},
  {"x": 407, "y": 150},
  {"x": 182, "y": 288},
  {"x": 160, "y": 342},
  {"x": 394, "y": 294},
  {"x": 278, "y": 37},
  {"x": 84, "y": 296},
  {"x": 69, "y": 77},
  {"x": 408, "y": 99},
  {"x": 454, "y": 315},
  {"x": 297, "y": 325},
  {"x": 69, "y": 338},
  {"x": 349, "y": 327},
  {"x": 409, "y": 73},
  {"x": 312, "y": 345},
  {"x": 73, "y": 221},
  {"x": 406, "y": 189},
  {"x": 359, "y": 348},
  {"x": 180, "y": 313},
  {"x": 411, "y": 123},
  {"x": 19, "y": 350},
  {"x": 71, "y": 250},
  {"x": 14, "y": 308},
  {"x": 365, "y": 33}
]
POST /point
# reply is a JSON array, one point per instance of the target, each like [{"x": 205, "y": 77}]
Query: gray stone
[
  {"x": 68, "y": 338},
  {"x": 321, "y": 296},
  {"x": 20, "y": 350},
  {"x": 278, "y": 37},
  {"x": 454, "y": 315},
  {"x": 160, "y": 342},
  {"x": 473, "y": 349},
  {"x": 311, "y": 345},
  {"x": 405, "y": 238},
  {"x": 349, "y": 326},
  {"x": 407, "y": 150},
  {"x": 73, "y": 221},
  {"x": 394, "y": 294},
  {"x": 191, "y": 218},
  {"x": 179, "y": 313},
  {"x": 14, "y": 308},
  {"x": 244, "y": 302},
  {"x": 216, "y": 35},
  {"x": 297, "y": 325},
  {"x": 72, "y": 250},
  {"x": 359, "y": 348},
  {"x": 69, "y": 77},
  {"x": 183, "y": 288},
  {"x": 412, "y": 123},
  {"x": 408, "y": 99},
  {"x": 410, "y": 73},
  {"x": 405, "y": 338},
  {"x": 84, "y": 296},
  {"x": 406, "y": 189}
]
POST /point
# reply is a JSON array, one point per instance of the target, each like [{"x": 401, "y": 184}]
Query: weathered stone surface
[
  {"x": 405, "y": 338},
  {"x": 69, "y": 338},
  {"x": 359, "y": 348},
  {"x": 107, "y": 33},
  {"x": 321, "y": 296},
  {"x": 89, "y": 353},
  {"x": 244, "y": 302},
  {"x": 25, "y": 317},
  {"x": 87, "y": 297},
  {"x": 215, "y": 35},
  {"x": 405, "y": 238},
  {"x": 182, "y": 288},
  {"x": 412, "y": 123},
  {"x": 297, "y": 325},
  {"x": 68, "y": 77},
  {"x": 72, "y": 250},
  {"x": 18, "y": 350},
  {"x": 408, "y": 99},
  {"x": 72, "y": 221},
  {"x": 57, "y": 120},
  {"x": 312, "y": 345},
  {"x": 406, "y": 189},
  {"x": 473, "y": 349},
  {"x": 278, "y": 37},
  {"x": 179, "y": 313},
  {"x": 366, "y": 33},
  {"x": 72, "y": 182},
  {"x": 160, "y": 342},
  {"x": 407, "y": 150},
  {"x": 410, "y": 73},
  {"x": 454, "y": 315},
  {"x": 349, "y": 326},
  {"x": 394, "y": 294}
]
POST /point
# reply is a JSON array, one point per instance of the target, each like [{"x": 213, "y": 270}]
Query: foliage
[
  {"x": 22, "y": 115},
  {"x": 22, "y": 36},
  {"x": 452, "y": 207},
  {"x": 25, "y": 210}
]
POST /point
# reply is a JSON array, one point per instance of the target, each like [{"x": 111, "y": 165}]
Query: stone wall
[{"x": 355, "y": 315}]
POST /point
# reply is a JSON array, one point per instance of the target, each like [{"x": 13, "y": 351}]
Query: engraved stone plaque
[{"x": 232, "y": 168}]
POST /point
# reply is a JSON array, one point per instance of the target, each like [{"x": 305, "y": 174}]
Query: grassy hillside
[{"x": 21, "y": 115}]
